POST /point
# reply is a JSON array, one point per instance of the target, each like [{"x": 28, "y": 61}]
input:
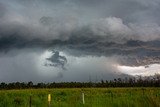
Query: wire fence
[{"x": 81, "y": 98}]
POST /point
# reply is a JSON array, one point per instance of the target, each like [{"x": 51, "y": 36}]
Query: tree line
[{"x": 150, "y": 81}]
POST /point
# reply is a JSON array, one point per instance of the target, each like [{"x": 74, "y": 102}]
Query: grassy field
[{"x": 94, "y": 97}]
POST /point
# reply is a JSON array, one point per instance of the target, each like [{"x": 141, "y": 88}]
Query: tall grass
[{"x": 94, "y": 97}]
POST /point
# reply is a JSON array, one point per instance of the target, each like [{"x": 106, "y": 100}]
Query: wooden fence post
[
  {"x": 83, "y": 98},
  {"x": 49, "y": 100},
  {"x": 30, "y": 101}
]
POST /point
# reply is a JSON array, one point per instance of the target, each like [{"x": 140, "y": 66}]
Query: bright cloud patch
[{"x": 149, "y": 70}]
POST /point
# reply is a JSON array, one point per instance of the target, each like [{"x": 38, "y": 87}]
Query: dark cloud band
[{"x": 127, "y": 29}]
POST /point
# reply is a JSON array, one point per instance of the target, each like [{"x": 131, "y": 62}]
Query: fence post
[
  {"x": 49, "y": 100},
  {"x": 30, "y": 101},
  {"x": 83, "y": 98}
]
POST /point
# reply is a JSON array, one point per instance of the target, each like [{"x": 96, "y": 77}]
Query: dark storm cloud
[
  {"x": 57, "y": 60},
  {"x": 126, "y": 29},
  {"x": 3, "y": 10}
]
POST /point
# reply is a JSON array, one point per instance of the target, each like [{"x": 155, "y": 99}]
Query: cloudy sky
[{"x": 78, "y": 40}]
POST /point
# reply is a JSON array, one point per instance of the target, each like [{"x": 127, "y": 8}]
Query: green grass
[{"x": 94, "y": 97}]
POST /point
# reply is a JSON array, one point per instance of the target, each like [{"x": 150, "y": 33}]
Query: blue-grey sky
[{"x": 75, "y": 40}]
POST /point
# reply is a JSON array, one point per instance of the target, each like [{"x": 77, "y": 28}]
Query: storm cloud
[
  {"x": 57, "y": 60},
  {"x": 124, "y": 32}
]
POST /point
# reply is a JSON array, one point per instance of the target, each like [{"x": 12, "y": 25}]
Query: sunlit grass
[{"x": 94, "y": 97}]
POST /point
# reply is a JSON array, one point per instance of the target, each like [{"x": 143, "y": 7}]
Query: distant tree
[
  {"x": 3, "y": 85},
  {"x": 41, "y": 85},
  {"x": 30, "y": 84}
]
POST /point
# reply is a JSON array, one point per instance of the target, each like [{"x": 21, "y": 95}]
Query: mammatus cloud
[{"x": 128, "y": 30}]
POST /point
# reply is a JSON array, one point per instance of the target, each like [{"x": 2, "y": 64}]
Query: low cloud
[
  {"x": 126, "y": 30},
  {"x": 57, "y": 60}
]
